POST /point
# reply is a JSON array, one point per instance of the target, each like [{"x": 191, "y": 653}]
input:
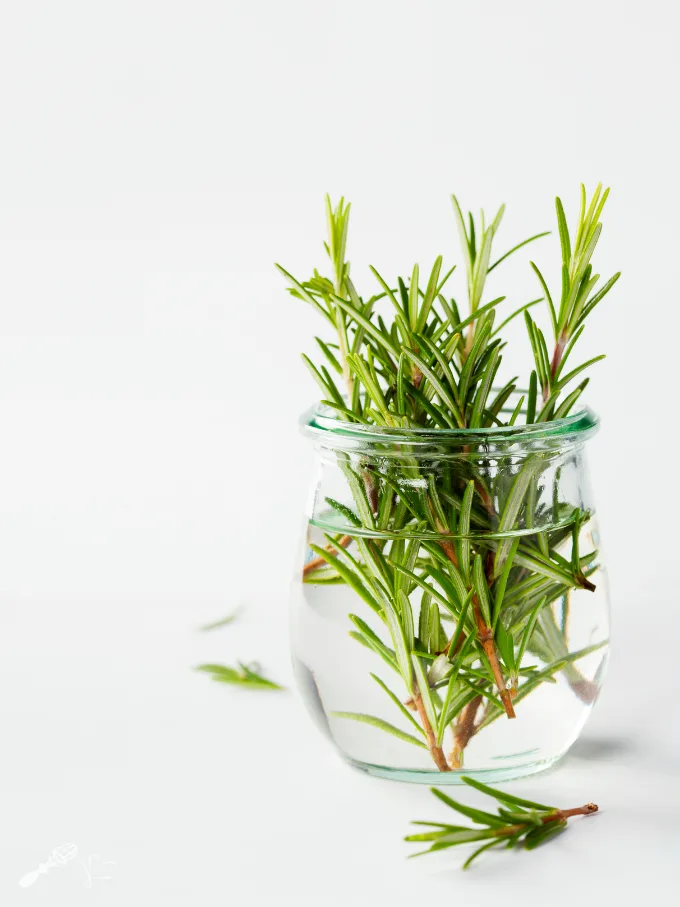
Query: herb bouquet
[{"x": 451, "y": 611}]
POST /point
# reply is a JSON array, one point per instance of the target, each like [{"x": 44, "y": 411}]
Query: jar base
[{"x": 486, "y": 775}]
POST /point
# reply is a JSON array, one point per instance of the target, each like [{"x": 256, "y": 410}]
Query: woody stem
[
  {"x": 436, "y": 751},
  {"x": 486, "y": 638},
  {"x": 559, "y": 815}
]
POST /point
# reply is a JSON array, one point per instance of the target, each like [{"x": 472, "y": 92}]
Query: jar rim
[{"x": 321, "y": 420}]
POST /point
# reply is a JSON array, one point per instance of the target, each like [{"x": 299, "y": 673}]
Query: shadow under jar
[{"x": 450, "y": 615}]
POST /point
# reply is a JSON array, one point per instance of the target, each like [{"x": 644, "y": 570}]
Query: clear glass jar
[{"x": 450, "y": 612}]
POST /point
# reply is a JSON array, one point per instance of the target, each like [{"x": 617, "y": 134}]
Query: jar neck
[{"x": 331, "y": 434}]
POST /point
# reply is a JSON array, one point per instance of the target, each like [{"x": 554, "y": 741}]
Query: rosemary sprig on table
[
  {"x": 517, "y": 823},
  {"x": 243, "y": 676},
  {"x": 222, "y": 622},
  {"x": 460, "y": 550}
]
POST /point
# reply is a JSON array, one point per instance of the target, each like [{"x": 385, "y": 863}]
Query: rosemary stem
[
  {"x": 585, "y": 810},
  {"x": 436, "y": 751},
  {"x": 465, "y": 729},
  {"x": 342, "y": 344},
  {"x": 585, "y": 689},
  {"x": 559, "y": 815},
  {"x": 486, "y": 638},
  {"x": 556, "y": 360}
]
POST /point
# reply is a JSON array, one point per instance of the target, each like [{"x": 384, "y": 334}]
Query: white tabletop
[
  {"x": 115, "y": 551},
  {"x": 156, "y": 159}
]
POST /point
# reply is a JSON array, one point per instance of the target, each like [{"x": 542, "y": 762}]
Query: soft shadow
[{"x": 595, "y": 748}]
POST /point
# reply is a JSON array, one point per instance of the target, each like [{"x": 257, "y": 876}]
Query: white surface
[{"x": 155, "y": 159}]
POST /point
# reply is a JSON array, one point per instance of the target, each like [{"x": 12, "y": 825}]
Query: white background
[{"x": 155, "y": 159}]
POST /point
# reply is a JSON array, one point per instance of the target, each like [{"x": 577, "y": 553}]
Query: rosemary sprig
[
  {"x": 577, "y": 300},
  {"x": 243, "y": 676},
  {"x": 222, "y": 622},
  {"x": 517, "y": 823}
]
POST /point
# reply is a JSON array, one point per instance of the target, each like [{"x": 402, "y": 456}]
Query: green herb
[
  {"x": 243, "y": 676},
  {"x": 218, "y": 624},
  {"x": 578, "y": 298},
  {"x": 466, "y": 543},
  {"x": 517, "y": 823}
]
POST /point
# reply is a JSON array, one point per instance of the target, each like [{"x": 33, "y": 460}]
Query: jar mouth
[{"x": 322, "y": 421}]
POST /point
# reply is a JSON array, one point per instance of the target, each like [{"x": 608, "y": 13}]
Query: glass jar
[{"x": 450, "y": 611}]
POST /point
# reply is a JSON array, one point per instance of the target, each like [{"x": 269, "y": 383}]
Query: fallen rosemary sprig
[
  {"x": 517, "y": 823},
  {"x": 242, "y": 676},
  {"x": 222, "y": 622}
]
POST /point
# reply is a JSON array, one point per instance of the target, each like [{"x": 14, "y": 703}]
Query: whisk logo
[
  {"x": 95, "y": 867},
  {"x": 59, "y": 856}
]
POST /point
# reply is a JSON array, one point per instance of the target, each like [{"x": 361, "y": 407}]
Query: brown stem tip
[{"x": 586, "y": 810}]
